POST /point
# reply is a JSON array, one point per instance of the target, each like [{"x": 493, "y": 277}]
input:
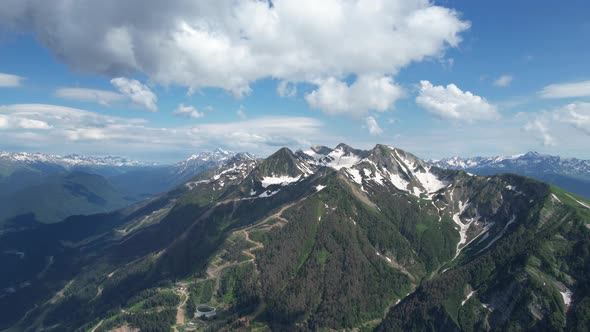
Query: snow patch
[
  {"x": 340, "y": 160},
  {"x": 355, "y": 175},
  {"x": 425, "y": 178},
  {"x": 319, "y": 187},
  {"x": 280, "y": 180},
  {"x": 555, "y": 199},
  {"x": 462, "y": 227},
  {"x": 194, "y": 184},
  {"x": 468, "y": 297},
  {"x": 429, "y": 181},
  {"x": 567, "y": 296},
  {"x": 579, "y": 202},
  {"x": 397, "y": 181}
]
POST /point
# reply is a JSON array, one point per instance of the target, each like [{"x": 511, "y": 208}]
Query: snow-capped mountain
[
  {"x": 205, "y": 160},
  {"x": 388, "y": 167},
  {"x": 69, "y": 161},
  {"x": 398, "y": 168},
  {"x": 570, "y": 173},
  {"x": 532, "y": 161}
]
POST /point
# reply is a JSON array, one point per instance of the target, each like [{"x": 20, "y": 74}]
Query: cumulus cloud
[
  {"x": 503, "y": 81},
  {"x": 10, "y": 81},
  {"x": 286, "y": 89},
  {"x": 138, "y": 93},
  {"x": 366, "y": 93},
  {"x": 373, "y": 126},
  {"x": 102, "y": 97},
  {"x": 230, "y": 44},
  {"x": 451, "y": 103},
  {"x": 188, "y": 112},
  {"x": 566, "y": 90}
]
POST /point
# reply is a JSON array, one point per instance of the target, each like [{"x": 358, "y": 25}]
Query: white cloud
[
  {"x": 71, "y": 129},
  {"x": 230, "y": 44},
  {"x": 4, "y": 122},
  {"x": 21, "y": 121},
  {"x": 503, "y": 81},
  {"x": 373, "y": 126},
  {"x": 452, "y": 103},
  {"x": 576, "y": 115},
  {"x": 188, "y": 112},
  {"x": 102, "y": 97},
  {"x": 556, "y": 123},
  {"x": 566, "y": 90},
  {"x": 138, "y": 93},
  {"x": 268, "y": 130},
  {"x": 286, "y": 89},
  {"x": 366, "y": 93},
  {"x": 33, "y": 124},
  {"x": 540, "y": 128},
  {"x": 9, "y": 80},
  {"x": 130, "y": 90}
]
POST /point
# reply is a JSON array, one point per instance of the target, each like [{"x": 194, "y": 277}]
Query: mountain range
[
  {"x": 44, "y": 188},
  {"x": 321, "y": 239},
  {"x": 569, "y": 173}
]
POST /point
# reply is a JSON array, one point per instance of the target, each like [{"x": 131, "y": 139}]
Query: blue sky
[{"x": 159, "y": 83}]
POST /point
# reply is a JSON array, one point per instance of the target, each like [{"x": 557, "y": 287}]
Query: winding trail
[
  {"x": 180, "y": 308},
  {"x": 213, "y": 272}
]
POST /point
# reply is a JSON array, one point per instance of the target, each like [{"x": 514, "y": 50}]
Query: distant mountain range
[
  {"x": 105, "y": 165},
  {"x": 37, "y": 187},
  {"x": 318, "y": 239},
  {"x": 569, "y": 173}
]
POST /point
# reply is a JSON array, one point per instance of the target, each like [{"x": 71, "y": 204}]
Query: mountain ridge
[
  {"x": 569, "y": 173},
  {"x": 341, "y": 239}
]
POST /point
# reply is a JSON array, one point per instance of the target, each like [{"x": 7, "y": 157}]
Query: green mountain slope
[
  {"x": 60, "y": 195},
  {"x": 535, "y": 278},
  {"x": 334, "y": 239}
]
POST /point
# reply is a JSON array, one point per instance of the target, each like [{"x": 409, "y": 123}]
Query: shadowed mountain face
[
  {"x": 306, "y": 240},
  {"x": 569, "y": 173}
]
